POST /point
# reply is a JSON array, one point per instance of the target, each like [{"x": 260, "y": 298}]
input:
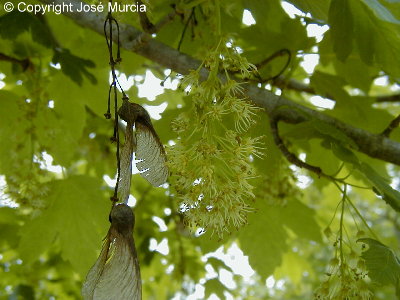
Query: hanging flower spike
[{"x": 116, "y": 273}]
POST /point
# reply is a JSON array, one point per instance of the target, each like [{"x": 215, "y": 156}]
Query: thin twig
[
  {"x": 145, "y": 36},
  {"x": 393, "y": 125},
  {"x": 24, "y": 63},
  {"x": 290, "y": 156},
  {"x": 185, "y": 28},
  {"x": 266, "y": 61},
  {"x": 146, "y": 24}
]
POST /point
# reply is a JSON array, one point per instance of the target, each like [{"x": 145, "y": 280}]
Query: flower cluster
[
  {"x": 346, "y": 277},
  {"x": 279, "y": 188},
  {"x": 212, "y": 157},
  {"x": 25, "y": 185}
]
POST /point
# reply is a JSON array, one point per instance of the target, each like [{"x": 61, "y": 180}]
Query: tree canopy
[{"x": 295, "y": 167}]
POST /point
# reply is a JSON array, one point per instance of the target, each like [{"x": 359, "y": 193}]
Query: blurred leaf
[
  {"x": 382, "y": 263},
  {"x": 214, "y": 286},
  {"x": 23, "y": 291},
  {"x": 390, "y": 195},
  {"x": 381, "y": 11},
  {"x": 333, "y": 132},
  {"x": 318, "y": 9},
  {"x": 344, "y": 154},
  {"x": 73, "y": 66},
  {"x": 301, "y": 220},
  {"x": 264, "y": 240},
  {"x": 341, "y": 26},
  {"x": 77, "y": 217},
  {"x": 294, "y": 266},
  {"x": 15, "y": 23},
  {"x": 329, "y": 86},
  {"x": 376, "y": 39}
]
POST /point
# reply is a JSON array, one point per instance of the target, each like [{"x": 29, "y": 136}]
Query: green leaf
[
  {"x": 301, "y": 220},
  {"x": 345, "y": 154},
  {"x": 23, "y": 291},
  {"x": 94, "y": 96},
  {"x": 13, "y": 127},
  {"x": 77, "y": 216},
  {"x": 318, "y": 9},
  {"x": 294, "y": 266},
  {"x": 389, "y": 195},
  {"x": 381, "y": 11},
  {"x": 264, "y": 240},
  {"x": 214, "y": 286},
  {"x": 329, "y": 85},
  {"x": 382, "y": 263},
  {"x": 15, "y": 23},
  {"x": 341, "y": 26},
  {"x": 55, "y": 136},
  {"x": 376, "y": 39},
  {"x": 333, "y": 132},
  {"x": 73, "y": 66}
]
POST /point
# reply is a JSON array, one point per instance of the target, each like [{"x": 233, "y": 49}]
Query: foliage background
[{"x": 55, "y": 80}]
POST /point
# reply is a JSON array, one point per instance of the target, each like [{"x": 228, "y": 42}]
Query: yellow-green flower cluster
[
  {"x": 279, "y": 188},
  {"x": 212, "y": 157},
  {"x": 346, "y": 279}
]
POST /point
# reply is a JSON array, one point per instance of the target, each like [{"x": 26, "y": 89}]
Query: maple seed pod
[
  {"x": 116, "y": 273},
  {"x": 149, "y": 149}
]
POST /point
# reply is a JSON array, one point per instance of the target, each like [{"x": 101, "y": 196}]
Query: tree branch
[
  {"x": 293, "y": 84},
  {"x": 373, "y": 145},
  {"x": 392, "y": 126}
]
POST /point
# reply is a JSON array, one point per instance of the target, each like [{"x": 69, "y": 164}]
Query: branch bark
[
  {"x": 293, "y": 84},
  {"x": 373, "y": 145}
]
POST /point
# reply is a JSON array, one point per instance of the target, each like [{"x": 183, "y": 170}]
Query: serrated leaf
[
  {"x": 77, "y": 216},
  {"x": 341, "y": 25},
  {"x": 382, "y": 263},
  {"x": 389, "y": 195}
]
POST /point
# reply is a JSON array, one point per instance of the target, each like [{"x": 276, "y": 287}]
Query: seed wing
[
  {"x": 151, "y": 155},
  {"x": 116, "y": 273},
  {"x": 126, "y": 165}
]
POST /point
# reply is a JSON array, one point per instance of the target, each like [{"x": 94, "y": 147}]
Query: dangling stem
[
  {"x": 341, "y": 230},
  {"x": 113, "y": 89}
]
